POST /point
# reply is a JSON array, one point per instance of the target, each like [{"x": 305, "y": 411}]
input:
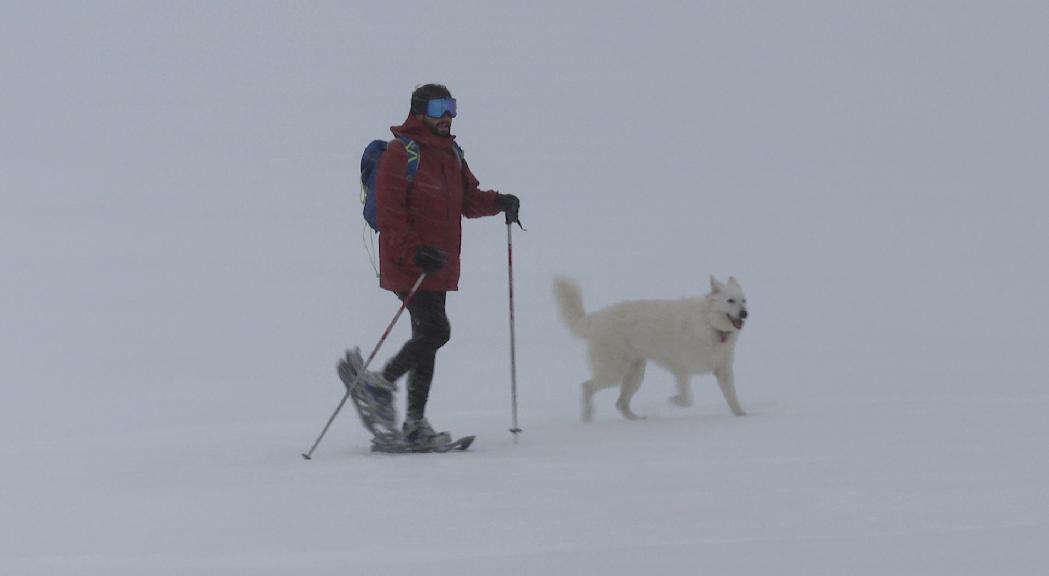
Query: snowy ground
[
  {"x": 181, "y": 263},
  {"x": 818, "y": 486}
]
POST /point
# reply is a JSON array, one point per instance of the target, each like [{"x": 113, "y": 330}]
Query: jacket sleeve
[
  {"x": 391, "y": 198},
  {"x": 476, "y": 202}
]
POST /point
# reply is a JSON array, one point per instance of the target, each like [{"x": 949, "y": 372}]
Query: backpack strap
[
  {"x": 412, "y": 149},
  {"x": 459, "y": 155},
  {"x": 413, "y": 156}
]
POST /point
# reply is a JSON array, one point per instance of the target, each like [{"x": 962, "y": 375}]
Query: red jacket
[{"x": 429, "y": 212}]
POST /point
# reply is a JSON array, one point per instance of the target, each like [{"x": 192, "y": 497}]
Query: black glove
[
  {"x": 509, "y": 204},
  {"x": 429, "y": 259}
]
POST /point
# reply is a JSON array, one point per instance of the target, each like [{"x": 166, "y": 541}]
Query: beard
[{"x": 442, "y": 128}]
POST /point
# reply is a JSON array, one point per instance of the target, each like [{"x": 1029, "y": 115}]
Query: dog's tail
[{"x": 570, "y": 305}]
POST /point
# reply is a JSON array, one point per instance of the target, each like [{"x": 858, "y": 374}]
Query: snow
[
  {"x": 182, "y": 263},
  {"x": 837, "y": 486}
]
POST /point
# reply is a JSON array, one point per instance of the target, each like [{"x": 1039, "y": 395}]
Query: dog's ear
[
  {"x": 733, "y": 282},
  {"x": 715, "y": 286}
]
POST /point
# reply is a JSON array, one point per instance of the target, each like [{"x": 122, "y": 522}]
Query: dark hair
[{"x": 425, "y": 93}]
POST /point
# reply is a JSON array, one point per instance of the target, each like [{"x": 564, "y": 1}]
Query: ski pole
[
  {"x": 407, "y": 299},
  {"x": 515, "y": 429}
]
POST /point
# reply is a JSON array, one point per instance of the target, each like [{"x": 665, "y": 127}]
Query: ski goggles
[{"x": 440, "y": 106}]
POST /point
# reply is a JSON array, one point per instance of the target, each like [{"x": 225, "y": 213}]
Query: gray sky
[{"x": 181, "y": 232}]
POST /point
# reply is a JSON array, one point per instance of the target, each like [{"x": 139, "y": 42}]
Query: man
[{"x": 421, "y": 230}]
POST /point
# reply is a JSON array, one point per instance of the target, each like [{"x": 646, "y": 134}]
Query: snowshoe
[
  {"x": 419, "y": 431},
  {"x": 372, "y": 395},
  {"x": 397, "y": 444}
]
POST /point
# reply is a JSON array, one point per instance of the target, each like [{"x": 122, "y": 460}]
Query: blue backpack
[{"x": 370, "y": 163}]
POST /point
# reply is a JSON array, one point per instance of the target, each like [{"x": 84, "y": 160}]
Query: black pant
[{"x": 430, "y": 331}]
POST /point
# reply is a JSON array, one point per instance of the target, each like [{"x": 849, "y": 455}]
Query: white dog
[{"x": 688, "y": 336}]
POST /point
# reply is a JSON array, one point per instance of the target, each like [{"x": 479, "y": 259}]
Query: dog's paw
[
  {"x": 680, "y": 401},
  {"x": 624, "y": 409},
  {"x": 630, "y": 415}
]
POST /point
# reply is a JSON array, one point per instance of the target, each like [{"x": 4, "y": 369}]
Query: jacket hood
[{"x": 418, "y": 130}]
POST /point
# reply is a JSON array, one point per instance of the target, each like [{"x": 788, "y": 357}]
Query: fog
[{"x": 182, "y": 246}]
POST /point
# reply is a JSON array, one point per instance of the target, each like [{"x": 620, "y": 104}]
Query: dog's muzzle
[{"x": 737, "y": 322}]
